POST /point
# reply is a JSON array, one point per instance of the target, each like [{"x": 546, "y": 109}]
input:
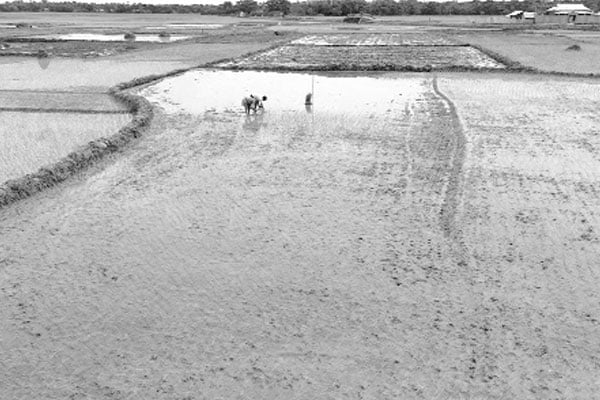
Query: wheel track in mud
[
  {"x": 453, "y": 193},
  {"x": 480, "y": 365}
]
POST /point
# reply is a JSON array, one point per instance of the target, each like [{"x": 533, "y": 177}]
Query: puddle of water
[
  {"x": 201, "y": 91},
  {"x": 113, "y": 38},
  {"x": 185, "y": 26},
  {"x": 203, "y": 26}
]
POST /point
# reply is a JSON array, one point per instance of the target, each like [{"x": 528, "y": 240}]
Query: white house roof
[{"x": 567, "y": 8}]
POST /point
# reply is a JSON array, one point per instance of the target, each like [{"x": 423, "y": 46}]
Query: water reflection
[
  {"x": 253, "y": 122},
  {"x": 43, "y": 59},
  {"x": 112, "y": 37},
  {"x": 344, "y": 93}
]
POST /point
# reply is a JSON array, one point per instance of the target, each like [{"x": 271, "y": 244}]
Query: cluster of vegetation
[{"x": 299, "y": 8}]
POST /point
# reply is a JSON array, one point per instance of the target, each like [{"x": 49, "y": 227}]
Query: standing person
[{"x": 253, "y": 103}]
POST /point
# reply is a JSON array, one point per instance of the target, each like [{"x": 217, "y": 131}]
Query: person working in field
[{"x": 253, "y": 103}]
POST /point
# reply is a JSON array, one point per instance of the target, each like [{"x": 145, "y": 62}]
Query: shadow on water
[{"x": 43, "y": 61}]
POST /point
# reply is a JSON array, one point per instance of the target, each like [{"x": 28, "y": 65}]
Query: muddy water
[
  {"x": 113, "y": 38},
  {"x": 349, "y": 97},
  {"x": 26, "y": 73}
]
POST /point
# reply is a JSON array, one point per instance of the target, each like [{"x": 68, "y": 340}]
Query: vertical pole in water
[{"x": 312, "y": 90}]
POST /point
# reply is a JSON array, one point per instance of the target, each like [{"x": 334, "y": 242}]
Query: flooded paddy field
[
  {"x": 35, "y": 100},
  {"x": 434, "y": 236},
  {"x": 98, "y": 37},
  {"x": 31, "y": 140}
]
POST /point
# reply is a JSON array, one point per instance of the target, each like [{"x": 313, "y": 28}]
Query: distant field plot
[
  {"x": 90, "y": 102},
  {"x": 29, "y": 141},
  {"x": 96, "y": 37},
  {"x": 546, "y": 51},
  {"x": 367, "y": 57},
  {"x": 101, "y": 20},
  {"x": 384, "y": 39}
]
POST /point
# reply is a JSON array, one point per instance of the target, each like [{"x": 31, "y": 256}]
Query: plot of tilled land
[
  {"x": 380, "y": 39},
  {"x": 369, "y": 52},
  {"x": 38, "y": 128},
  {"x": 419, "y": 241}
]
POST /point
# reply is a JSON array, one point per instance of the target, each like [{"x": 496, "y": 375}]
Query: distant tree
[
  {"x": 408, "y": 7},
  {"x": 278, "y": 5},
  {"x": 246, "y": 6},
  {"x": 227, "y": 8},
  {"x": 353, "y": 6},
  {"x": 383, "y": 7},
  {"x": 430, "y": 8}
]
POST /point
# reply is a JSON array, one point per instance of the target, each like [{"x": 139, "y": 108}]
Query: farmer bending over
[{"x": 253, "y": 103}]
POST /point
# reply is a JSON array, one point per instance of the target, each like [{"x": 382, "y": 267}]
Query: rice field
[
  {"x": 97, "y": 37},
  {"x": 34, "y": 100},
  {"x": 403, "y": 236},
  {"x": 383, "y": 39},
  {"x": 367, "y": 57},
  {"x": 32, "y": 140},
  {"x": 545, "y": 50}
]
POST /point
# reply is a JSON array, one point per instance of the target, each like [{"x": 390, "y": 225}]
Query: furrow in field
[{"x": 453, "y": 189}]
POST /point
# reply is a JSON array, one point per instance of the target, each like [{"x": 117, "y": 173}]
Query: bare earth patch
[{"x": 543, "y": 50}]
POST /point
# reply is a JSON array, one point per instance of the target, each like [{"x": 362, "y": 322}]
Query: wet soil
[
  {"x": 407, "y": 51},
  {"x": 390, "y": 245}
]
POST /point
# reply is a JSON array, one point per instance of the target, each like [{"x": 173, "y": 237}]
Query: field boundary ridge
[
  {"x": 20, "y": 188},
  {"x": 45, "y": 177}
]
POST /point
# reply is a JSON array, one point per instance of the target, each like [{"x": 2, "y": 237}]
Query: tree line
[{"x": 298, "y": 8}]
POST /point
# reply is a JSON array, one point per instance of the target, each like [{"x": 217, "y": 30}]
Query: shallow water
[
  {"x": 114, "y": 38},
  {"x": 210, "y": 91},
  {"x": 26, "y": 73},
  {"x": 29, "y": 141},
  {"x": 203, "y": 26},
  {"x": 58, "y": 100}
]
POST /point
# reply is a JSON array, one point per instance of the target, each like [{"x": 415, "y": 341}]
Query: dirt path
[{"x": 314, "y": 255}]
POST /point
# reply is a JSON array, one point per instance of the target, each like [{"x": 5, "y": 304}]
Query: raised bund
[{"x": 20, "y": 188}]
